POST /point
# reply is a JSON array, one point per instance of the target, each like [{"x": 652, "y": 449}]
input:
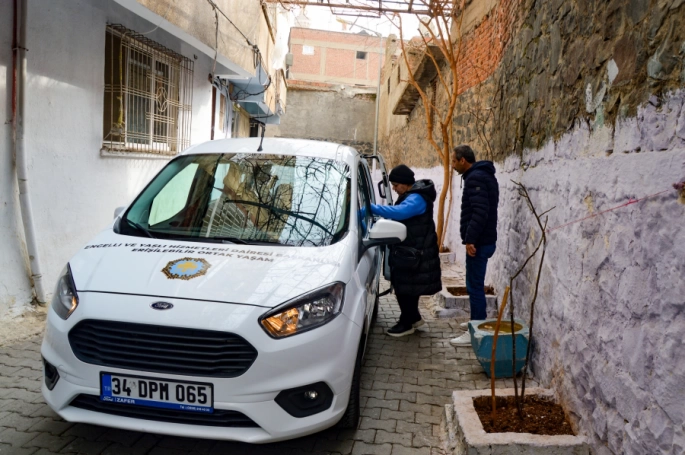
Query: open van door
[{"x": 385, "y": 198}]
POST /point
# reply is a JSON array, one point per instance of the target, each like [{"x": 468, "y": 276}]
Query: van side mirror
[
  {"x": 385, "y": 232},
  {"x": 118, "y": 211}
]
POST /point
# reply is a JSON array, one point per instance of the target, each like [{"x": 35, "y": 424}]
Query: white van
[{"x": 230, "y": 300}]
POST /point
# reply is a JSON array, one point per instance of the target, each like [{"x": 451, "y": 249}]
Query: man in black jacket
[{"x": 478, "y": 227}]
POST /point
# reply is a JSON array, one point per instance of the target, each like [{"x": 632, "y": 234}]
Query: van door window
[
  {"x": 364, "y": 202},
  {"x": 369, "y": 182}
]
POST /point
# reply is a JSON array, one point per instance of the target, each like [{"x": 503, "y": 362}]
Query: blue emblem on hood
[
  {"x": 161, "y": 306},
  {"x": 186, "y": 268}
]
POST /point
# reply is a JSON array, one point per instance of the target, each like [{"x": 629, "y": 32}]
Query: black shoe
[{"x": 400, "y": 330}]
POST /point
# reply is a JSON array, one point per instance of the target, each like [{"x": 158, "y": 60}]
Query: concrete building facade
[
  {"x": 585, "y": 105},
  {"x": 332, "y": 87},
  {"x": 335, "y": 57},
  {"x": 86, "y": 151}
]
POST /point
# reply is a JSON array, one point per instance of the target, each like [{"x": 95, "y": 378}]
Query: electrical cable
[
  {"x": 214, "y": 5},
  {"x": 160, "y": 21},
  {"x": 258, "y": 60}
]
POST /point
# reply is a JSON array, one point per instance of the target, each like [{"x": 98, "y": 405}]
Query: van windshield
[{"x": 244, "y": 198}]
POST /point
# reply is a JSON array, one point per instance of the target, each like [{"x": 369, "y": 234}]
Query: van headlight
[
  {"x": 304, "y": 313},
  {"x": 65, "y": 299}
]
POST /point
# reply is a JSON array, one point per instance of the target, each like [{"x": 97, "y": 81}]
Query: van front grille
[{"x": 161, "y": 349}]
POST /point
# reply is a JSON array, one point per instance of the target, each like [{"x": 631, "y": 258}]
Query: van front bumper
[{"x": 323, "y": 355}]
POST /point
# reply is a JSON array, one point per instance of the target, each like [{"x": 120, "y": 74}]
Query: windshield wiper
[
  {"x": 269, "y": 242},
  {"x": 249, "y": 241},
  {"x": 230, "y": 240},
  {"x": 140, "y": 228}
]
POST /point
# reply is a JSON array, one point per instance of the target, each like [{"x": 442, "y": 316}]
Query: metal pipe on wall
[
  {"x": 381, "y": 60},
  {"x": 18, "y": 116}
]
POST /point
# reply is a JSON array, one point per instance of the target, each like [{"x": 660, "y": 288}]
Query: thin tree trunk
[
  {"x": 523, "y": 192},
  {"x": 513, "y": 356},
  {"x": 530, "y": 323},
  {"x": 441, "y": 200}
]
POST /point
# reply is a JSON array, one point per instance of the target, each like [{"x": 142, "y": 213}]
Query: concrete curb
[{"x": 464, "y": 433}]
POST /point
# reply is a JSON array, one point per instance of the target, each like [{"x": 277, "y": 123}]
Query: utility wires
[{"x": 258, "y": 59}]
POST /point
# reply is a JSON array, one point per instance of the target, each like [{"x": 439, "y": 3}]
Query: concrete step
[{"x": 446, "y": 305}]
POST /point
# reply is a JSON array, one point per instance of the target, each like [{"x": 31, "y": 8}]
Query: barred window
[{"x": 148, "y": 95}]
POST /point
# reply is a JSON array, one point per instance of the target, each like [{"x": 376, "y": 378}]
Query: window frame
[
  {"x": 147, "y": 95},
  {"x": 367, "y": 197}
]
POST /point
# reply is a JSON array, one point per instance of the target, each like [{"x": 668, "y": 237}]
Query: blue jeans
[{"x": 475, "y": 280}]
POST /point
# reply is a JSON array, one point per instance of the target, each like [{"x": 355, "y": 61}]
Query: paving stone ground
[{"x": 405, "y": 384}]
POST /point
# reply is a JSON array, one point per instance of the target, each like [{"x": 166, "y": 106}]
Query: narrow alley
[{"x": 405, "y": 384}]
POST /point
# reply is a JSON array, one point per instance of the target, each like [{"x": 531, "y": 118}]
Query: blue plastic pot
[{"x": 481, "y": 341}]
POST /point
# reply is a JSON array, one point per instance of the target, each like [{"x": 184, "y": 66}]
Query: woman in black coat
[{"x": 414, "y": 209}]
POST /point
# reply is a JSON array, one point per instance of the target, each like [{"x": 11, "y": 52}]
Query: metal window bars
[{"x": 148, "y": 95}]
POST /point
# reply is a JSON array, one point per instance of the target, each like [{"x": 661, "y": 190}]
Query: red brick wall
[
  {"x": 483, "y": 47},
  {"x": 374, "y": 61},
  {"x": 308, "y": 64},
  {"x": 339, "y": 63}
]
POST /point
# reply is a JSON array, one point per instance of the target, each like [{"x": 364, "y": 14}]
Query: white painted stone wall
[
  {"x": 610, "y": 316},
  {"x": 14, "y": 286},
  {"x": 74, "y": 190}
]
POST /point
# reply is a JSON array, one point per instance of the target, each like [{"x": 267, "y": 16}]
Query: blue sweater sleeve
[{"x": 412, "y": 206}]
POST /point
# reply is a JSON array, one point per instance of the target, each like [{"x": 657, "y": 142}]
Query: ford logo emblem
[{"x": 161, "y": 306}]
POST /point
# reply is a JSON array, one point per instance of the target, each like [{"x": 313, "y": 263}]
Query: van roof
[{"x": 278, "y": 146}]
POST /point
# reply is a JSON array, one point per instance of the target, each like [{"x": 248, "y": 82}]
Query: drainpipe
[
  {"x": 18, "y": 112},
  {"x": 378, "y": 95}
]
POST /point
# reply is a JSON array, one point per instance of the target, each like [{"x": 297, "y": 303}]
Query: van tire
[{"x": 350, "y": 420}]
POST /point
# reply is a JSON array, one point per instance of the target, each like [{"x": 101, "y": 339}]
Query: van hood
[{"x": 257, "y": 275}]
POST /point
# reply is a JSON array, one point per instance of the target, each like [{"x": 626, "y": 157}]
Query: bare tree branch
[{"x": 523, "y": 192}]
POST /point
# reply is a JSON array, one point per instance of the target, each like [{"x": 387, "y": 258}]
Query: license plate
[{"x": 157, "y": 393}]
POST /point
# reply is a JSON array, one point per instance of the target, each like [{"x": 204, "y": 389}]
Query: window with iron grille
[{"x": 148, "y": 95}]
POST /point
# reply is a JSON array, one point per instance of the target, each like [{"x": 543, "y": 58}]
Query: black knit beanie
[{"x": 402, "y": 174}]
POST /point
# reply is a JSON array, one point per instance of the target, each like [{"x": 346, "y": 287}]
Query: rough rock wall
[
  {"x": 610, "y": 316},
  {"x": 585, "y": 60},
  {"x": 587, "y": 111},
  {"x": 570, "y": 61}
]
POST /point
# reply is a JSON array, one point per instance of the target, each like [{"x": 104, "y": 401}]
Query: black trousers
[{"x": 409, "y": 306}]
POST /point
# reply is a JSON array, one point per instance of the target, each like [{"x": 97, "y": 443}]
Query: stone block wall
[
  {"x": 586, "y": 108},
  {"x": 610, "y": 315},
  {"x": 585, "y": 61}
]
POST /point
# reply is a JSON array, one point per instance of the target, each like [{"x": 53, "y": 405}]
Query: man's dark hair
[{"x": 464, "y": 151}]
